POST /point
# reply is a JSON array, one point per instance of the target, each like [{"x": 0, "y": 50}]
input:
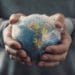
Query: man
[
  {"x": 47, "y": 60},
  {"x": 51, "y": 70},
  {"x": 59, "y": 51}
]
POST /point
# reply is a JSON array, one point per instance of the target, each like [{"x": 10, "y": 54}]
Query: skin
[
  {"x": 54, "y": 54},
  {"x": 12, "y": 47}
]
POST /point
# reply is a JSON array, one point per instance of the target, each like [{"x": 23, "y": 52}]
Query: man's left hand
[{"x": 56, "y": 53}]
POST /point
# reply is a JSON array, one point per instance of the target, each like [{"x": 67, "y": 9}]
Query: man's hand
[
  {"x": 53, "y": 54},
  {"x": 13, "y": 48},
  {"x": 56, "y": 53}
]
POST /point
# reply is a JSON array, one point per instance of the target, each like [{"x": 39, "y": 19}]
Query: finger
[
  {"x": 60, "y": 48},
  {"x": 58, "y": 20},
  {"x": 27, "y": 61},
  {"x": 66, "y": 39},
  {"x": 58, "y": 17},
  {"x": 24, "y": 57},
  {"x": 54, "y": 58},
  {"x": 8, "y": 39},
  {"x": 14, "y": 44},
  {"x": 22, "y": 54},
  {"x": 60, "y": 26},
  {"x": 47, "y": 64},
  {"x": 56, "y": 49},
  {"x": 15, "y": 18},
  {"x": 16, "y": 58},
  {"x": 13, "y": 57},
  {"x": 11, "y": 51},
  {"x": 7, "y": 31}
]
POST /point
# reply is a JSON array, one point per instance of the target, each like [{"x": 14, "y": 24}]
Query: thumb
[
  {"x": 62, "y": 47},
  {"x": 15, "y": 18},
  {"x": 8, "y": 39}
]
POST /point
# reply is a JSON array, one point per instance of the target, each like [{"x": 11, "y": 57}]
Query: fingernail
[{"x": 44, "y": 57}]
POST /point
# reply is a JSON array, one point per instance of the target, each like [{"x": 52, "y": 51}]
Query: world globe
[{"x": 35, "y": 32}]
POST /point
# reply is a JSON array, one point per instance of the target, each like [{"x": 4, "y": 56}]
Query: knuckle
[
  {"x": 12, "y": 16},
  {"x": 11, "y": 44},
  {"x": 22, "y": 54}
]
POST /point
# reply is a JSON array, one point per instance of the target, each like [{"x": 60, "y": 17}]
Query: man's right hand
[{"x": 13, "y": 48}]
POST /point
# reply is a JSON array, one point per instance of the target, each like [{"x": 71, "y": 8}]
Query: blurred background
[{"x": 8, "y": 7}]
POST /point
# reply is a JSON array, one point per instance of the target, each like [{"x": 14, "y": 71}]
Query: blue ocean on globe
[{"x": 35, "y": 33}]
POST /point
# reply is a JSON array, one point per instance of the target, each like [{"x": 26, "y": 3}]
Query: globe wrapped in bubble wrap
[{"x": 35, "y": 32}]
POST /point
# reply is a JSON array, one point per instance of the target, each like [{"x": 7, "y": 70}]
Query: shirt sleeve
[
  {"x": 73, "y": 34},
  {"x": 73, "y": 21},
  {"x": 3, "y": 24},
  {"x": 69, "y": 24}
]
